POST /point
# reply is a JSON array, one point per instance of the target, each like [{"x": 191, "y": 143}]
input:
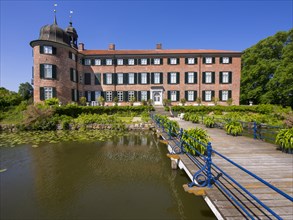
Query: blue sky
[{"x": 228, "y": 25}]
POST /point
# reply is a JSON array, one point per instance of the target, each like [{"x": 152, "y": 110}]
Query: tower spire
[
  {"x": 55, "y": 19},
  {"x": 70, "y": 18}
]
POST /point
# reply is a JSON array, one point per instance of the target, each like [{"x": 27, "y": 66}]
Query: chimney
[
  {"x": 159, "y": 46},
  {"x": 111, "y": 46},
  {"x": 80, "y": 47}
]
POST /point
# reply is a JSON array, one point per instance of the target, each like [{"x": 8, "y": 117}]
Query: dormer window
[
  {"x": 209, "y": 60},
  {"x": 109, "y": 62},
  {"x": 87, "y": 62},
  {"x": 119, "y": 62}
]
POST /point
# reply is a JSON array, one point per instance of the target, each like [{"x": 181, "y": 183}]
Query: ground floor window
[
  {"x": 120, "y": 96},
  {"x": 190, "y": 96},
  {"x": 130, "y": 96},
  {"x": 48, "y": 92},
  {"x": 208, "y": 95},
  {"x": 173, "y": 96},
  {"x": 97, "y": 94},
  {"x": 109, "y": 96},
  {"x": 144, "y": 95}
]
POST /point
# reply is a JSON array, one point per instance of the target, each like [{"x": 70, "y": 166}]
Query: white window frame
[
  {"x": 173, "y": 96},
  {"x": 157, "y": 78},
  {"x": 144, "y": 95},
  {"x": 190, "y": 96},
  {"x": 109, "y": 79},
  {"x": 190, "y": 60},
  {"x": 209, "y": 60},
  {"x": 208, "y": 95},
  {"x": 130, "y": 78},
  {"x": 208, "y": 77},
  {"x": 48, "y": 93},
  {"x": 75, "y": 95},
  {"x": 173, "y": 61},
  {"x": 98, "y": 62},
  {"x": 97, "y": 95},
  {"x": 48, "y": 50},
  {"x": 225, "y": 60},
  {"x": 87, "y": 62},
  {"x": 190, "y": 77},
  {"x": 120, "y": 96},
  {"x": 74, "y": 75},
  {"x": 120, "y": 62},
  {"x": 89, "y": 96},
  {"x": 143, "y": 61},
  {"x": 225, "y": 77},
  {"x": 173, "y": 78},
  {"x": 109, "y": 96},
  {"x": 225, "y": 95},
  {"x": 109, "y": 62},
  {"x": 143, "y": 78},
  {"x": 73, "y": 56},
  {"x": 48, "y": 71},
  {"x": 130, "y": 95},
  {"x": 157, "y": 61},
  {"x": 120, "y": 78},
  {"x": 130, "y": 62}
]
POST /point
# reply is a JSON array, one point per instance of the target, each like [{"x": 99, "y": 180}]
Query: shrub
[
  {"x": 285, "y": 140},
  {"x": 82, "y": 101},
  {"x": 209, "y": 122},
  {"x": 169, "y": 125},
  {"x": 183, "y": 101},
  {"x": 166, "y": 102},
  {"x": 186, "y": 116},
  {"x": 194, "y": 118},
  {"x": 234, "y": 128},
  {"x": 52, "y": 101},
  {"x": 196, "y": 139}
]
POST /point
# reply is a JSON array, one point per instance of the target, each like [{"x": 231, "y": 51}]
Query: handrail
[{"x": 206, "y": 169}]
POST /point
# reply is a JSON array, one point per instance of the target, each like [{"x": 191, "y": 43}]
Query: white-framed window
[
  {"x": 119, "y": 62},
  {"x": 108, "y": 78},
  {"x": 48, "y": 93},
  {"x": 97, "y": 94},
  {"x": 119, "y": 78},
  {"x": 191, "y": 60},
  {"x": 98, "y": 62},
  {"x": 208, "y": 77},
  {"x": 48, "y": 49},
  {"x": 120, "y": 96},
  {"x": 173, "y": 96},
  {"x": 157, "y": 61},
  {"x": 73, "y": 56},
  {"x": 173, "y": 61},
  {"x": 109, "y": 96},
  {"x": 208, "y": 95},
  {"x": 144, "y": 95},
  {"x": 130, "y": 61},
  {"x": 190, "y": 77},
  {"x": 225, "y": 60},
  {"x": 130, "y": 95},
  {"x": 190, "y": 96},
  {"x": 157, "y": 78},
  {"x": 173, "y": 77},
  {"x": 225, "y": 95},
  {"x": 143, "y": 78},
  {"x": 48, "y": 71},
  {"x": 74, "y": 95},
  {"x": 89, "y": 96},
  {"x": 109, "y": 62},
  {"x": 225, "y": 77},
  {"x": 74, "y": 75},
  {"x": 209, "y": 60},
  {"x": 87, "y": 62},
  {"x": 143, "y": 61},
  {"x": 130, "y": 78}
]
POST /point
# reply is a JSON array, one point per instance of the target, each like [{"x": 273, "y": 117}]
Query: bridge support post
[
  {"x": 209, "y": 165},
  {"x": 254, "y": 130},
  {"x": 181, "y": 141}
]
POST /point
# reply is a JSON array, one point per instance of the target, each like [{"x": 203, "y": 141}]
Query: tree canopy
[
  {"x": 267, "y": 71},
  {"x": 25, "y": 90},
  {"x": 8, "y": 98}
]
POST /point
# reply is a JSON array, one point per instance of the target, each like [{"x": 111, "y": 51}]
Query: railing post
[
  {"x": 170, "y": 127},
  {"x": 180, "y": 139},
  {"x": 254, "y": 130},
  {"x": 209, "y": 164}
]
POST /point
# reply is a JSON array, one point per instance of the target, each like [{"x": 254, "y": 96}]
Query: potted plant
[
  {"x": 183, "y": 101},
  {"x": 194, "y": 118},
  {"x": 198, "y": 100},
  {"x": 101, "y": 101},
  {"x": 115, "y": 100},
  {"x": 234, "y": 128},
  {"x": 196, "y": 138},
  {"x": 209, "y": 122},
  {"x": 285, "y": 140},
  {"x": 82, "y": 101}
]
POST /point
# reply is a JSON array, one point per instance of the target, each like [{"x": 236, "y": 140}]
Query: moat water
[{"x": 127, "y": 177}]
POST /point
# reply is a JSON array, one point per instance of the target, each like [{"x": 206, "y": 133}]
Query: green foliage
[
  {"x": 285, "y": 138},
  {"x": 52, "y": 101},
  {"x": 267, "y": 71},
  {"x": 201, "y": 140},
  {"x": 234, "y": 128},
  {"x": 194, "y": 118},
  {"x": 166, "y": 102},
  {"x": 25, "y": 90},
  {"x": 209, "y": 122},
  {"x": 101, "y": 101},
  {"x": 170, "y": 125},
  {"x": 186, "y": 116},
  {"x": 183, "y": 101},
  {"x": 8, "y": 98},
  {"x": 145, "y": 116},
  {"x": 229, "y": 101},
  {"x": 82, "y": 101}
]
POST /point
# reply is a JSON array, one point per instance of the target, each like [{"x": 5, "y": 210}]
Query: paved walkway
[{"x": 259, "y": 157}]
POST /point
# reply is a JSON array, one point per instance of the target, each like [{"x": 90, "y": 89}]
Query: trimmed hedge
[{"x": 75, "y": 110}]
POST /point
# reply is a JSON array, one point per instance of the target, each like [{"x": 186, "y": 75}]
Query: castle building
[{"x": 66, "y": 70}]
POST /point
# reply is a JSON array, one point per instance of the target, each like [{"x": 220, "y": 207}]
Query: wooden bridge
[{"x": 247, "y": 197}]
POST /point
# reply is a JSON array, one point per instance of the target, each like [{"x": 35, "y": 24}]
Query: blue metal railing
[{"x": 206, "y": 176}]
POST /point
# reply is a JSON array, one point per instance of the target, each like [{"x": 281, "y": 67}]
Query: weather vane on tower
[{"x": 55, "y": 20}]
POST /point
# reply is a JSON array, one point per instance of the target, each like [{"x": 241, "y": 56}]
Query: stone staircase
[{"x": 161, "y": 110}]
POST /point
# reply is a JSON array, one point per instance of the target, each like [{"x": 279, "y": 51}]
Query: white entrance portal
[{"x": 157, "y": 96}]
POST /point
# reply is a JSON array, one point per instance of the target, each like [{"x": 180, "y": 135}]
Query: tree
[
  {"x": 25, "y": 90},
  {"x": 8, "y": 98}
]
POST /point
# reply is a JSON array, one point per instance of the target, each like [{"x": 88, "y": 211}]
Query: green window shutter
[
  {"x": 135, "y": 61},
  {"x": 168, "y": 60},
  {"x": 186, "y": 60},
  {"x": 114, "y": 94},
  {"x": 54, "y": 92},
  {"x": 221, "y": 59},
  {"x": 221, "y": 76},
  {"x": 195, "y": 60},
  {"x": 195, "y": 77},
  {"x": 152, "y": 61},
  {"x": 230, "y": 59},
  {"x": 54, "y": 71},
  {"x": 104, "y": 79},
  {"x": 102, "y": 94},
  {"x": 213, "y": 94},
  {"x": 125, "y": 78},
  {"x": 92, "y": 62},
  {"x": 213, "y": 59},
  {"x": 125, "y": 96},
  {"x": 195, "y": 96},
  {"x": 139, "y": 96},
  {"x": 230, "y": 77},
  {"x": 76, "y": 72},
  {"x": 114, "y": 78},
  {"x": 77, "y": 95},
  {"x": 82, "y": 61},
  {"x": 42, "y": 93},
  {"x": 229, "y": 94},
  {"x": 70, "y": 55},
  {"x": 54, "y": 50},
  {"x": 177, "y": 95},
  {"x": 169, "y": 95},
  {"x": 203, "y": 77},
  {"x": 135, "y": 78},
  {"x": 186, "y": 76},
  {"x": 203, "y": 95},
  {"x": 161, "y": 78},
  {"x": 72, "y": 95},
  {"x": 213, "y": 77},
  {"x": 220, "y": 95},
  {"x": 186, "y": 95},
  {"x": 41, "y": 49},
  {"x": 41, "y": 71},
  {"x": 139, "y": 78},
  {"x": 86, "y": 95},
  {"x": 148, "y": 78},
  {"x": 71, "y": 75},
  {"x": 148, "y": 95},
  {"x": 203, "y": 60},
  {"x": 98, "y": 79},
  {"x": 152, "y": 78},
  {"x": 148, "y": 61},
  {"x": 178, "y": 61},
  {"x": 93, "y": 98},
  {"x": 177, "y": 78},
  {"x": 161, "y": 61},
  {"x": 169, "y": 78},
  {"x": 135, "y": 95}
]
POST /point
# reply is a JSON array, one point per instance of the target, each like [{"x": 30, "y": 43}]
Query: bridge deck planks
[{"x": 259, "y": 157}]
